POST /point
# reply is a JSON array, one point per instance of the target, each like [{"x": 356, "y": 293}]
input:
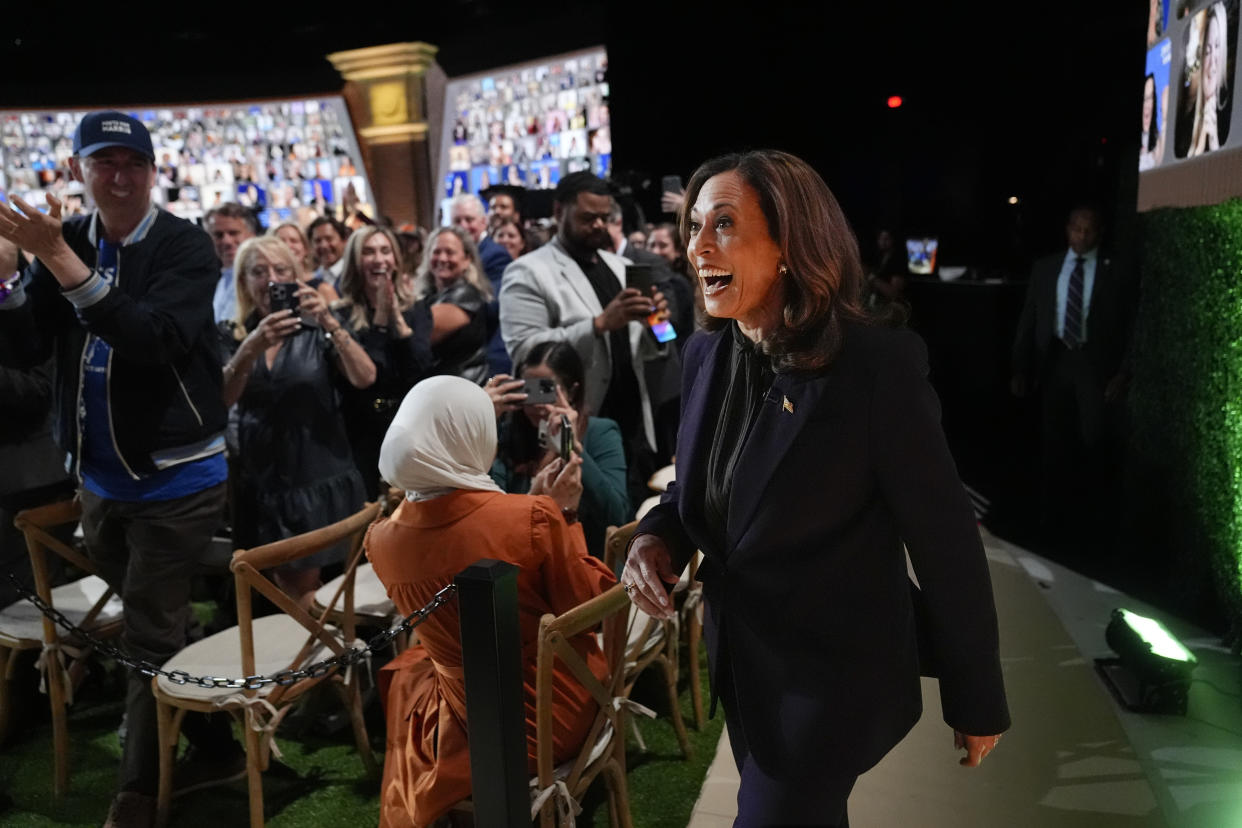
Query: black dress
[
  {"x": 463, "y": 353},
  {"x": 294, "y": 470},
  {"x": 399, "y": 363}
]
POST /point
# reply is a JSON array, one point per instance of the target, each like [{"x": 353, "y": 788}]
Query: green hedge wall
[{"x": 1185, "y": 469}]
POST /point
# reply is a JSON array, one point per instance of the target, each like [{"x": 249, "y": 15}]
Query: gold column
[{"x": 386, "y": 94}]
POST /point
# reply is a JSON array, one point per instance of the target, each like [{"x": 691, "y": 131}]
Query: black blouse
[
  {"x": 749, "y": 376},
  {"x": 463, "y": 353}
]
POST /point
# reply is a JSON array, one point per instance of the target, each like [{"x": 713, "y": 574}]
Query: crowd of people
[{"x": 269, "y": 383}]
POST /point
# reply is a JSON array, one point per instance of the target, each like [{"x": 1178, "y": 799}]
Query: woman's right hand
[
  {"x": 272, "y": 330},
  {"x": 560, "y": 481},
  {"x": 648, "y": 569},
  {"x": 506, "y": 393}
]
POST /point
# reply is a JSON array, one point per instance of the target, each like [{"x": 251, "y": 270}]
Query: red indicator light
[{"x": 894, "y": 102}]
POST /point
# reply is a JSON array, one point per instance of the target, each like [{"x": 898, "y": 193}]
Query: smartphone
[
  {"x": 671, "y": 184},
  {"x": 641, "y": 276},
  {"x": 567, "y": 439},
  {"x": 539, "y": 391},
  {"x": 283, "y": 296},
  {"x": 661, "y": 329}
]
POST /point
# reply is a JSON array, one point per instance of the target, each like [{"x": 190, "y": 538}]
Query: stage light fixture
[
  {"x": 1151, "y": 673},
  {"x": 1013, "y": 199},
  {"x": 894, "y": 102}
]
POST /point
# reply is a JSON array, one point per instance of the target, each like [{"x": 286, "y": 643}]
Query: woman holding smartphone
[
  {"x": 530, "y": 437},
  {"x": 293, "y": 468}
]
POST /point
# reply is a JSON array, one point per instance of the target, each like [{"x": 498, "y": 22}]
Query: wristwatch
[{"x": 570, "y": 515}]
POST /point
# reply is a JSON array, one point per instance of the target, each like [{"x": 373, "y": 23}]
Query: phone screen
[{"x": 663, "y": 331}]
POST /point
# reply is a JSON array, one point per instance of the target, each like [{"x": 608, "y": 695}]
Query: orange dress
[{"x": 415, "y": 553}]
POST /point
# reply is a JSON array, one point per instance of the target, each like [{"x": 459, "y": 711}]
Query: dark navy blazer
[{"x": 809, "y": 595}]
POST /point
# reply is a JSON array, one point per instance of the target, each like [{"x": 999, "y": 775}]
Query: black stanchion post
[{"x": 491, "y": 647}]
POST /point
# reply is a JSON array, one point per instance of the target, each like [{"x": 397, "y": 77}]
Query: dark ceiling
[{"x": 1000, "y": 99}]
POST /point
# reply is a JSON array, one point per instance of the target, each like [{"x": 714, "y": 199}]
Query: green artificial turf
[{"x": 321, "y": 780}]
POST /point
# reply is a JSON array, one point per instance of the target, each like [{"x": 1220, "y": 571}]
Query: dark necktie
[{"x": 1072, "y": 337}]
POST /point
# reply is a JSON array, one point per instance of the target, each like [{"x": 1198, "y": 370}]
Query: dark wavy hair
[
  {"x": 823, "y": 289},
  {"x": 1153, "y": 131},
  {"x": 519, "y": 440}
]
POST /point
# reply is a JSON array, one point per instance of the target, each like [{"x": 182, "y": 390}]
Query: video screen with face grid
[
  {"x": 285, "y": 158},
  {"x": 526, "y": 125},
  {"x": 1190, "y": 151}
]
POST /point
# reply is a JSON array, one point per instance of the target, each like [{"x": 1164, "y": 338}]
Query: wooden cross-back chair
[
  {"x": 603, "y": 750},
  {"x": 291, "y": 640},
  {"x": 650, "y": 640},
  {"x": 88, "y": 603}
]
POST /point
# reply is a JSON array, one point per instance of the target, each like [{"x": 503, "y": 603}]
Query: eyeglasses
[{"x": 264, "y": 272}]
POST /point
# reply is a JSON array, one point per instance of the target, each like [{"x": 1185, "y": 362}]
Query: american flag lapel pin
[{"x": 787, "y": 404}]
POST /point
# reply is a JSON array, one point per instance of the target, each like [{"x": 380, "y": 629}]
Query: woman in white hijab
[{"x": 439, "y": 449}]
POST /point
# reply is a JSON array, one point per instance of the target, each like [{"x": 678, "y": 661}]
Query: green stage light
[{"x": 1151, "y": 673}]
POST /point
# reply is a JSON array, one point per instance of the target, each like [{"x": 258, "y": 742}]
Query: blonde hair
[
  {"x": 353, "y": 299},
  {"x": 308, "y": 259},
  {"x": 425, "y": 283},
  {"x": 270, "y": 248}
]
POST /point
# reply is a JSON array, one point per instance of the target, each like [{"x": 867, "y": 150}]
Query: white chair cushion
[
  {"x": 646, "y": 506},
  {"x": 660, "y": 480},
  {"x": 277, "y": 640},
  {"x": 21, "y": 623},
  {"x": 370, "y": 597}
]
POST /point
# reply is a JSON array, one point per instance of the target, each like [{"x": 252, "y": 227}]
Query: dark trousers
[
  {"x": 797, "y": 795},
  {"x": 149, "y": 552},
  {"x": 1073, "y": 414}
]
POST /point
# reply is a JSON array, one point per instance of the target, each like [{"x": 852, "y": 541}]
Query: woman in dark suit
[{"x": 810, "y": 449}]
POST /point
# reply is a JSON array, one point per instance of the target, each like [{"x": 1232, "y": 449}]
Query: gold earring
[{"x": 784, "y": 271}]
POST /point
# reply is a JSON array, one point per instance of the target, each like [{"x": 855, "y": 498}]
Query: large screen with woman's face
[{"x": 1190, "y": 151}]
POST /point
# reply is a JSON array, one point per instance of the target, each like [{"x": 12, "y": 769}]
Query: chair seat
[
  {"x": 21, "y": 623},
  {"x": 660, "y": 480},
  {"x": 277, "y": 641},
  {"x": 370, "y": 596},
  {"x": 646, "y": 506}
]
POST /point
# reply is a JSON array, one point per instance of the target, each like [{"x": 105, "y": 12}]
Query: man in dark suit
[
  {"x": 1070, "y": 347},
  {"x": 466, "y": 211}
]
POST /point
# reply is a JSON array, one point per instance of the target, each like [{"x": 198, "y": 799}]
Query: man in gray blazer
[{"x": 573, "y": 290}]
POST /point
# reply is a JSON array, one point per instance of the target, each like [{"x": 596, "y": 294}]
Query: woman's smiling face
[{"x": 737, "y": 260}]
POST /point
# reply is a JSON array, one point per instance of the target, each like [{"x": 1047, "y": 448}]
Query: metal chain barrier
[{"x": 284, "y": 678}]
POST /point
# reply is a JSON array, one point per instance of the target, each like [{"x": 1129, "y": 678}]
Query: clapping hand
[{"x": 36, "y": 233}]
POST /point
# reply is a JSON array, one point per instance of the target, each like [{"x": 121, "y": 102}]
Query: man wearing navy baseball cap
[{"x": 122, "y": 298}]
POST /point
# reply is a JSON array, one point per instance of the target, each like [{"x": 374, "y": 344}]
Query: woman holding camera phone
[
  {"x": 530, "y": 438},
  {"x": 293, "y": 468}
]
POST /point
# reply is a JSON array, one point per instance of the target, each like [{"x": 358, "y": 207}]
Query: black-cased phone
[
  {"x": 567, "y": 439},
  {"x": 283, "y": 296},
  {"x": 639, "y": 276}
]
